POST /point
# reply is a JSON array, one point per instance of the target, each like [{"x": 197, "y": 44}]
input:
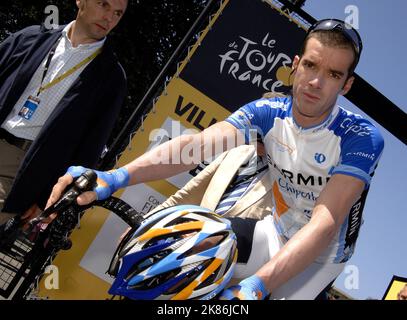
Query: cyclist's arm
[
  {"x": 330, "y": 211},
  {"x": 183, "y": 153},
  {"x": 168, "y": 159}
]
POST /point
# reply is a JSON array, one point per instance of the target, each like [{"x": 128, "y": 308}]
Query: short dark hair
[{"x": 332, "y": 38}]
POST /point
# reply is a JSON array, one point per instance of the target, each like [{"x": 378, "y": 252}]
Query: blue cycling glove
[
  {"x": 108, "y": 182},
  {"x": 251, "y": 288}
]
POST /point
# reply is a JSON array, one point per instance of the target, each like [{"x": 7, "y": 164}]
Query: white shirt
[{"x": 66, "y": 56}]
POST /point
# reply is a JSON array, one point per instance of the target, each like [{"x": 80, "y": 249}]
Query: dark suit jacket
[{"x": 78, "y": 128}]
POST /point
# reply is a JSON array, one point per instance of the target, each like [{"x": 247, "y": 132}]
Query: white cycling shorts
[{"x": 263, "y": 244}]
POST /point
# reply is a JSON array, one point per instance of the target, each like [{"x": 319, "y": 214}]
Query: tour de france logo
[{"x": 257, "y": 62}]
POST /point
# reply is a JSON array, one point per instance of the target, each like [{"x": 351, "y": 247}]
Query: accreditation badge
[{"x": 29, "y": 107}]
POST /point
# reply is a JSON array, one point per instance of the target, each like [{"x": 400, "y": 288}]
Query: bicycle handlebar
[
  {"x": 85, "y": 182},
  {"x": 67, "y": 213}
]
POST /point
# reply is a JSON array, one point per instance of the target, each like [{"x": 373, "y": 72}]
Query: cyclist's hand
[
  {"x": 251, "y": 288},
  {"x": 107, "y": 183}
]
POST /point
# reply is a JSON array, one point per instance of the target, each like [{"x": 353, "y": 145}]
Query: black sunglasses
[{"x": 347, "y": 30}]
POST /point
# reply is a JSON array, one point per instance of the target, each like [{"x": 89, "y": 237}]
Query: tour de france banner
[
  {"x": 245, "y": 51},
  {"x": 396, "y": 285}
]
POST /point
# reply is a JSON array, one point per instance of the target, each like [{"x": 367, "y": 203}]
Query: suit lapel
[
  {"x": 40, "y": 48},
  {"x": 258, "y": 191},
  {"x": 224, "y": 174}
]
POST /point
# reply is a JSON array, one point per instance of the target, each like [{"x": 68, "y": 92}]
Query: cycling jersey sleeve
[
  {"x": 257, "y": 117},
  {"x": 361, "y": 148}
]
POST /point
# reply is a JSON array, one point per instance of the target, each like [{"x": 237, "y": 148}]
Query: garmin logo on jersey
[
  {"x": 363, "y": 155},
  {"x": 354, "y": 219},
  {"x": 350, "y": 126},
  {"x": 299, "y": 178},
  {"x": 354, "y": 222}
]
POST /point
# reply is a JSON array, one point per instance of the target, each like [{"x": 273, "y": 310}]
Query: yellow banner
[
  {"x": 397, "y": 289},
  {"x": 81, "y": 270}
]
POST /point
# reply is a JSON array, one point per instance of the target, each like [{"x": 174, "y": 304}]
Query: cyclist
[{"x": 321, "y": 159}]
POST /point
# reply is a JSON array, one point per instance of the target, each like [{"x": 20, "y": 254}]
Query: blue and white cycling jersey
[{"x": 301, "y": 161}]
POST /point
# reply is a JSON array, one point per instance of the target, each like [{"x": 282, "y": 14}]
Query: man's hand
[
  {"x": 32, "y": 212},
  {"x": 107, "y": 183},
  {"x": 251, "y": 288}
]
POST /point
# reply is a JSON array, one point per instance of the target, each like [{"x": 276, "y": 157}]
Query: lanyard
[{"x": 66, "y": 73}]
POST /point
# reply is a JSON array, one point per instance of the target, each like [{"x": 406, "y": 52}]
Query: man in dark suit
[{"x": 60, "y": 93}]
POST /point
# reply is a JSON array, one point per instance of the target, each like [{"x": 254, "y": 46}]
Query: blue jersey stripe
[{"x": 353, "y": 171}]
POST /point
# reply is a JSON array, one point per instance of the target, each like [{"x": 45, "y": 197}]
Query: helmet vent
[{"x": 155, "y": 281}]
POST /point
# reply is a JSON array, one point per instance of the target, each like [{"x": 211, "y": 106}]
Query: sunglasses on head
[{"x": 347, "y": 30}]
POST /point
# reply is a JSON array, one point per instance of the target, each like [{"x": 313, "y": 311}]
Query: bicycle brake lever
[{"x": 85, "y": 182}]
